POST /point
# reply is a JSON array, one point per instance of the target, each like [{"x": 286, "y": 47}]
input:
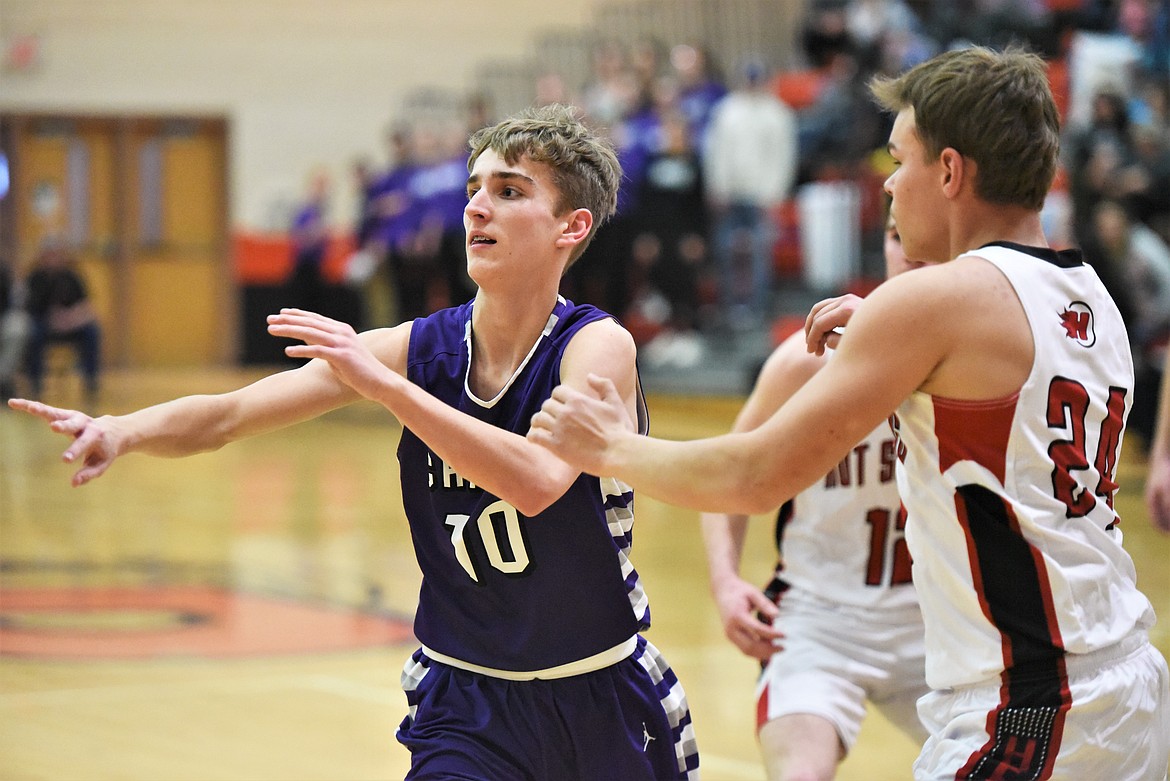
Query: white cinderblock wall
[{"x": 302, "y": 82}]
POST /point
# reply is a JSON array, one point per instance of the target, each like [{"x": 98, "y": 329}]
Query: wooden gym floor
[{"x": 244, "y": 615}]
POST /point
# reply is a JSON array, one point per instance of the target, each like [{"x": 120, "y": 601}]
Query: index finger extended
[{"x": 42, "y": 411}]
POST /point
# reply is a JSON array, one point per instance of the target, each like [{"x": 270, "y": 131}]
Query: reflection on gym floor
[{"x": 245, "y": 614}]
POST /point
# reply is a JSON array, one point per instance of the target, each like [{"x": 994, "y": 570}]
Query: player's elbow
[
  {"x": 222, "y": 432},
  {"x": 759, "y": 491},
  {"x": 538, "y": 495},
  {"x": 532, "y": 505},
  {"x": 758, "y": 500}
]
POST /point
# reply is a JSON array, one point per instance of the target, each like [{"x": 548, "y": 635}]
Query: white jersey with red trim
[
  {"x": 1016, "y": 545},
  {"x": 842, "y": 538}
]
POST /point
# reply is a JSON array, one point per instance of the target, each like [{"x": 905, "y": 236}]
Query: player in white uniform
[
  {"x": 843, "y": 575},
  {"x": 1014, "y": 525},
  {"x": 1009, "y": 369}
]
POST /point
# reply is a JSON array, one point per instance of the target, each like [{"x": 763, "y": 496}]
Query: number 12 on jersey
[{"x": 878, "y": 519}]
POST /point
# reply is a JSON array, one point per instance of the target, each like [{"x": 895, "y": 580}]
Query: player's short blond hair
[
  {"x": 584, "y": 166},
  {"x": 995, "y": 108}
]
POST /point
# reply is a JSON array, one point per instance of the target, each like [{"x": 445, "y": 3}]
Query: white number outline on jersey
[
  {"x": 1068, "y": 407},
  {"x": 487, "y": 525}
]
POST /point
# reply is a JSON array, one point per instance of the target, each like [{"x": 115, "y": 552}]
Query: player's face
[
  {"x": 896, "y": 260},
  {"x": 914, "y": 189},
  {"x": 510, "y": 219}
]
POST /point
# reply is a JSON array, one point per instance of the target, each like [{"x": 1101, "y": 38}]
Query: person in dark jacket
[{"x": 61, "y": 311}]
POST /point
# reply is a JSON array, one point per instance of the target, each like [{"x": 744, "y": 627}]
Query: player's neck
[
  {"x": 990, "y": 224},
  {"x": 503, "y": 332}
]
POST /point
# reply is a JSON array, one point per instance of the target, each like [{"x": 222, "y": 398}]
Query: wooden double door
[{"x": 142, "y": 203}]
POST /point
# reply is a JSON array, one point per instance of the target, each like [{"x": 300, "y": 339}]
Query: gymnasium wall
[
  {"x": 287, "y": 87},
  {"x": 301, "y": 82}
]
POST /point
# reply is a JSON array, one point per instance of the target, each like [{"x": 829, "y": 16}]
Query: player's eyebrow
[{"x": 474, "y": 179}]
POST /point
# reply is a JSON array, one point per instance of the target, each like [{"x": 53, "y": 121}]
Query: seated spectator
[
  {"x": 670, "y": 248},
  {"x": 432, "y": 271},
  {"x": 394, "y": 216},
  {"x": 310, "y": 241},
  {"x": 749, "y": 167},
  {"x": 1139, "y": 261},
  {"x": 14, "y": 330},
  {"x": 700, "y": 87},
  {"x": 60, "y": 308},
  {"x": 610, "y": 90},
  {"x": 1095, "y": 153},
  {"x": 1144, "y": 185}
]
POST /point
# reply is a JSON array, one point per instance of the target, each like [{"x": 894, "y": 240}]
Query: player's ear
[
  {"x": 955, "y": 171},
  {"x": 578, "y": 223}
]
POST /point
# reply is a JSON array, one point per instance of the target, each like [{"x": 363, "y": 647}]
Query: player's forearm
[
  {"x": 713, "y": 475},
  {"x": 182, "y": 427},
  {"x": 505, "y": 464},
  {"x": 723, "y": 538},
  {"x": 1160, "y": 445},
  {"x": 200, "y": 423}
]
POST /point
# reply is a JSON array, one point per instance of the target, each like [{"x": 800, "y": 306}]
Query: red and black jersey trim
[{"x": 1010, "y": 579}]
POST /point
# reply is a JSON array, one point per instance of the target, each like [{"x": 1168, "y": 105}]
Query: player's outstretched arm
[
  {"x": 191, "y": 424},
  {"x": 887, "y": 353},
  {"x": 368, "y": 362},
  {"x": 528, "y": 477},
  {"x": 740, "y": 472}
]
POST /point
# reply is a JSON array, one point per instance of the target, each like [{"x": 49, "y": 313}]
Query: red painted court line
[{"x": 203, "y": 622}]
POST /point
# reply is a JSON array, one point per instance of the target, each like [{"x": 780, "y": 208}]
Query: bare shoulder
[
  {"x": 604, "y": 348},
  {"x": 389, "y": 345},
  {"x": 966, "y": 313},
  {"x": 941, "y": 284},
  {"x": 604, "y": 337},
  {"x": 966, "y": 291},
  {"x": 991, "y": 281},
  {"x": 955, "y": 297}
]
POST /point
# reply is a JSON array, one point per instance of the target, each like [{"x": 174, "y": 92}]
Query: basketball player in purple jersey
[
  {"x": 531, "y": 665},
  {"x": 1008, "y": 367}
]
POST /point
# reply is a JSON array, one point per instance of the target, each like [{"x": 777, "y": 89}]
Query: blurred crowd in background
[
  {"x": 715, "y": 155},
  {"x": 745, "y": 180}
]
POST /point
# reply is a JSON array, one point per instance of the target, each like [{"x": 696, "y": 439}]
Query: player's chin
[{"x": 478, "y": 253}]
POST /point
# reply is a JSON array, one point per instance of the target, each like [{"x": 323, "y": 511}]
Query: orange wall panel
[{"x": 266, "y": 258}]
